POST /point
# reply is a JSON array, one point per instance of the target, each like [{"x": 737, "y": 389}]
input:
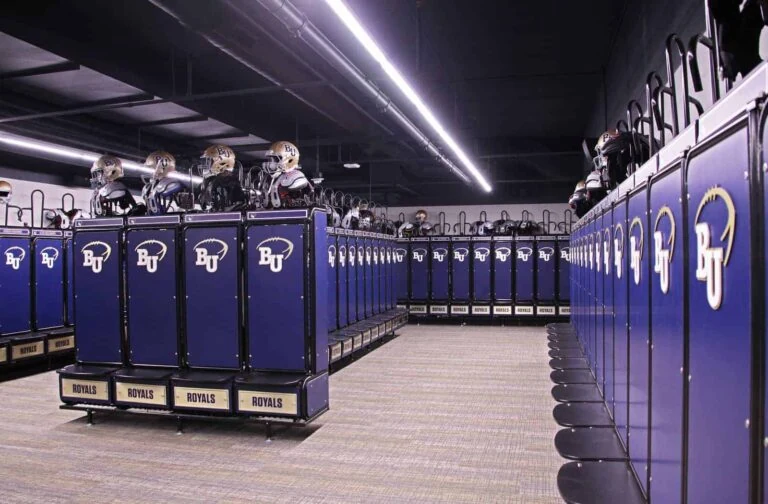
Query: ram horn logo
[
  {"x": 607, "y": 251},
  {"x": 418, "y": 254},
  {"x": 331, "y": 256},
  {"x": 147, "y": 259},
  {"x": 481, "y": 254},
  {"x": 203, "y": 257},
  {"x": 565, "y": 254},
  {"x": 523, "y": 253},
  {"x": 14, "y": 256},
  {"x": 502, "y": 253},
  {"x": 636, "y": 248},
  {"x": 710, "y": 261},
  {"x": 93, "y": 260},
  {"x": 268, "y": 257},
  {"x": 663, "y": 256},
  {"x": 460, "y": 254},
  {"x": 439, "y": 254},
  {"x": 546, "y": 253},
  {"x": 48, "y": 256},
  {"x": 342, "y": 256},
  {"x": 399, "y": 255},
  {"x": 352, "y": 256},
  {"x": 618, "y": 249}
]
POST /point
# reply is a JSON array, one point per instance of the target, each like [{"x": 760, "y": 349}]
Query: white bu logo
[
  {"x": 546, "y": 253},
  {"x": 331, "y": 256},
  {"x": 663, "y": 256},
  {"x": 13, "y": 256},
  {"x": 565, "y": 254},
  {"x": 439, "y": 254},
  {"x": 636, "y": 249},
  {"x": 502, "y": 253},
  {"x": 460, "y": 254},
  {"x": 524, "y": 253},
  {"x": 267, "y": 257},
  {"x": 48, "y": 256},
  {"x": 203, "y": 257},
  {"x": 148, "y": 260},
  {"x": 711, "y": 261},
  {"x": 93, "y": 260},
  {"x": 482, "y": 253},
  {"x": 418, "y": 254}
]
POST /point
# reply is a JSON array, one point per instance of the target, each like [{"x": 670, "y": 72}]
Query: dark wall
[{"x": 638, "y": 49}]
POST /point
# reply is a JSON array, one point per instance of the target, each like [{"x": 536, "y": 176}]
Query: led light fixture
[
  {"x": 83, "y": 157},
  {"x": 352, "y": 166},
  {"x": 351, "y": 22}
]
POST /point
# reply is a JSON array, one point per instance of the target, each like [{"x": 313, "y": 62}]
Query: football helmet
[
  {"x": 104, "y": 170},
  {"x": 162, "y": 163},
  {"x": 334, "y": 219},
  {"x": 282, "y": 157},
  {"x": 217, "y": 159},
  {"x": 421, "y": 216},
  {"x": 365, "y": 219},
  {"x": 6, "y": 191},
  {"x": 288, "y": 189},
  {"x": 481, "y": 228},
  {"x": 351, "y": 219},
  {"x": 406, "y": 230},
  {"x": 596, "y": 185},
  {"x": 578, "y": 200},
  {"x": 503, "y": 227}
]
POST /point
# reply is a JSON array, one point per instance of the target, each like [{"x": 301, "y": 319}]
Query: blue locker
[
  {"x": 15, "y": 280},
  {"x": 503, "y": 257},
  {"x": 524, "y": 269},
  {"x": 460, "y": 275},
  {"x": 382, "y": 275},
  {"x": 419, "y": 270},
  {"x": 546, "y": 261},
  {"x": 98, "y": 290},
  {"x": 620, "y": 335},
  {"x": 481, "y": 269},
  {"x": 152, "y": 276},
  {"x": 441, "y": 260},
  {"x": 719, "y": 271},
  {"x": 563, "y": 271},
  {"x": 369, "y": 275},
  {"x": 352, "y": 274},
  {"x": 362, "y": 275},
  {"x": 333, "y": 281},
  {"x": 212, "y": 289},
  {"x": 48, "y": 276},
  {"x": 639, "y": 335},
  {"x": 589, "y": 286},
  {"x": 69, "y": 265},
  {"x": 375, "y": 275},
  {"x": 599, "y": 303},
  {"x": 667, "y": 254},
  {"x": 400, "y": 258},
  {"x": 342, "y": 280},
  {"x": 609, "y": 389}
]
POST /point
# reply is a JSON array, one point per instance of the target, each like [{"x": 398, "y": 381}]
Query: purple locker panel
[
  {"x": 665, "y": 235},
  {"x": 609, "y": 389},
  {"x": 621, "y": 321},
  {"x": 639, "y": 335},
  {"x": 719, "y": 270}
]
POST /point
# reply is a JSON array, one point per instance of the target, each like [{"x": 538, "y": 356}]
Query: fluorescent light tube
[{"x": 349, "y": 19}]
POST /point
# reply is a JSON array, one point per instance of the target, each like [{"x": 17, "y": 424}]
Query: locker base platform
[
  {"x": 563, "y": 344},
  {"x": 588, "y": 443},
  {"x": 598, "y": 483},
  {"x": 344, "y": 345},
  {"x": 562, "y": 338},
  {"x": 141, "y": 388},
  {"x": 572, "y": 363},
  {"x": 566, "y": 353},
  {"x": 86, "y": 384},
  {"x": 582, "y": 415},
  {"x": 572, "y": 376},
  {"x": 578, "y": 392}
]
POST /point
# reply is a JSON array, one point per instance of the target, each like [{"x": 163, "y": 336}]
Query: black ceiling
[{"x": 515, "y": 82}]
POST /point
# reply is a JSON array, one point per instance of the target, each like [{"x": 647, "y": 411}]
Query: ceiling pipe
[{"x": 298, "y": 24}]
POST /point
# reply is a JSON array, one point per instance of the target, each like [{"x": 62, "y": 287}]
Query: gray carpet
[{"x": 440, "y": 414}]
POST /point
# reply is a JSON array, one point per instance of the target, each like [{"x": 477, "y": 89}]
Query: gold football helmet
[
  {"x": 282, "y": 157},
  {"x": 162, "y": 163},
  {"x": 6, "y": 190},
  {"x": 106, "y": 169},
  {"x": 421, "y": 216},
  {"x": 218, "y": 159}
]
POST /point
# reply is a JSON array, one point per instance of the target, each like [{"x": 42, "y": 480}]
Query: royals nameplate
[
  {"x": 564, "y": 310},
  {"x": 523, "y": 310},
  {"x": 139, "y": 393},
  {"x": 438, "y": 309},
  {"x": 201, "y": 398},
  {"x": 361, "y": 339},
  {"x": 267, "y": 402},
  {"x": 481, "y": 310},
  {"x": 460, "y": 310},
  {"x": 545, "y": 310},
  {"x": 502, "y": 310},
  {"x": 335, "y": 352},
  {"x": 61, "y": 344},
  {"x": 84, "y": 389},
  {"x": 3, "y": 354},
  {"x": 27, "y": 350},
  {"x": 418, "y": 309}
]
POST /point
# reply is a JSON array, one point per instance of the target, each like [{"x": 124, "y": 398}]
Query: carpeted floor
[{"x": 441, "y": 414}]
